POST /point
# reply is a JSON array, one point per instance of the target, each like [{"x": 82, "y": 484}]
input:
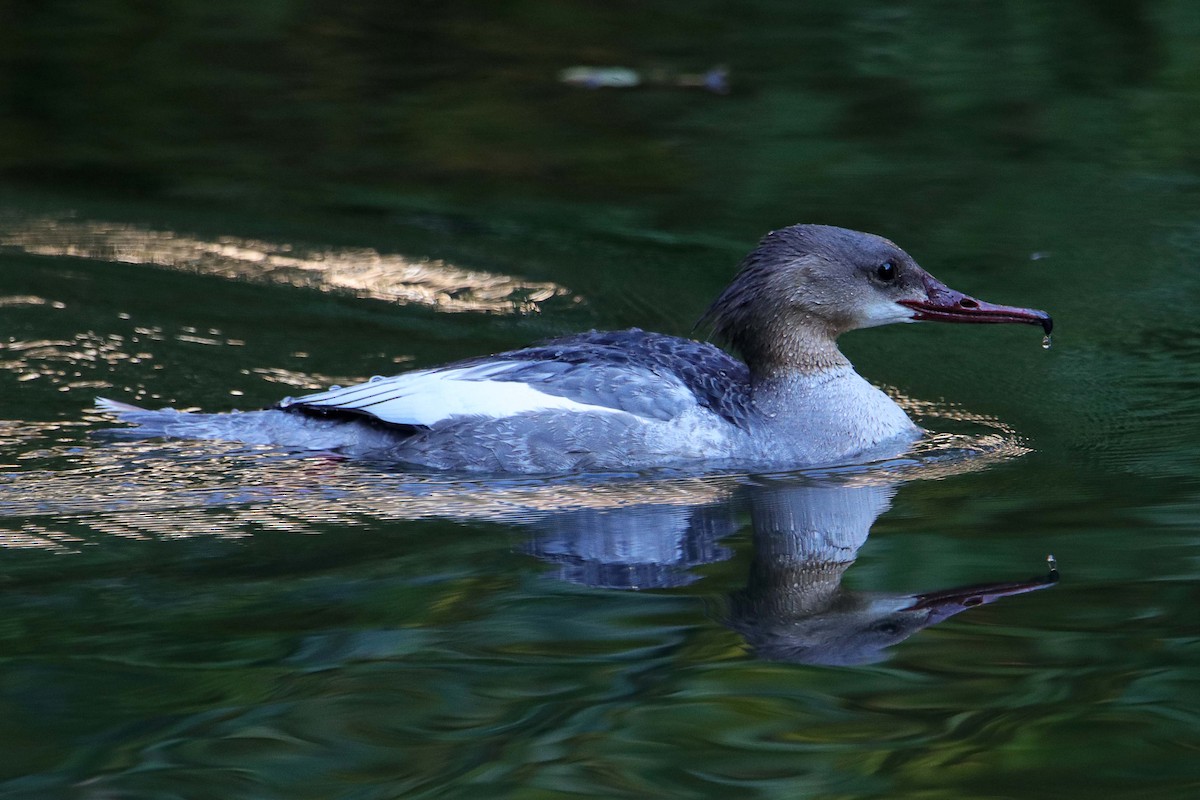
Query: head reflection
[{"x": 793, "y": 606}]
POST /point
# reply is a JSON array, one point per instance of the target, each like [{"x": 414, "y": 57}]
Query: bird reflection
[
  {"x": 616, "y": 532},
  {"x": 638, "y": 547},
  {"x": 794, "y": 606}
]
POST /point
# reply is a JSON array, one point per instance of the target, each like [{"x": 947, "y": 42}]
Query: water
[{"x": 269, "y": 202}]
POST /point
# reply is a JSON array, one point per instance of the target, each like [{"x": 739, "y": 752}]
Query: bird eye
[{"x": 886, "y": 271}]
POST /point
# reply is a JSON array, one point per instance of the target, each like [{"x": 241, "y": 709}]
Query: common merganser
[{"x": 624, "y": 400}]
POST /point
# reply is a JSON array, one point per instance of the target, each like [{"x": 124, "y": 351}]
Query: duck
[{"x": 635, "y": 400}]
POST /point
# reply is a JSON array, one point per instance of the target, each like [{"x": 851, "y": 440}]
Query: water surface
[{"x": 287, "y": 200}]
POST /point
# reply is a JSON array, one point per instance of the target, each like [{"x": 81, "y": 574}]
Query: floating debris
[
  {"x": 715, "y": 80},
  {"x": 601, "y": 77}
]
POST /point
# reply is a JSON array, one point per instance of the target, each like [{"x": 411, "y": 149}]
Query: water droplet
[
  {"x": 1046, "y": 342},
  {"x": 375, "y": 379},
  {"x": 287, "y": 401},
  {"x": 335, "y": 388}
]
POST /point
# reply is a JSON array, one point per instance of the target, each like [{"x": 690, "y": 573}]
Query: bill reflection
[{"x": 793, "y": 606}]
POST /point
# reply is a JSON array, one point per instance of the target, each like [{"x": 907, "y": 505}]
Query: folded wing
[
  {"x": 503, "y": 389},
  {"x": 645, "y": 376}
]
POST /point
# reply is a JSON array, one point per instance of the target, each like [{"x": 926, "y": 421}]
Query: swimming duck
[{"x": 622, "y": 400}]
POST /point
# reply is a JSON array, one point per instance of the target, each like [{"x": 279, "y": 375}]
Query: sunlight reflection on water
[{"x": 364, "y": 272}]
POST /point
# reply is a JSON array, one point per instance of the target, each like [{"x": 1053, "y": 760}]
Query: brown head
[{"x": 805, "y": 285}]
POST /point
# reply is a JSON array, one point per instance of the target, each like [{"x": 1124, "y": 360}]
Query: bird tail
[
  {"x": 270, "y": 426},
  {"x": 115, "y": 407},
  {"x": 150, "y": 424}
]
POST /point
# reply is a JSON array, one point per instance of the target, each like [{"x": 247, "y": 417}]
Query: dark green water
[{"x": 206, "y": 206}]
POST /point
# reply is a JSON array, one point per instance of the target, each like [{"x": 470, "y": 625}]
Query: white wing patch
[{"x": 426, "y": 397}]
